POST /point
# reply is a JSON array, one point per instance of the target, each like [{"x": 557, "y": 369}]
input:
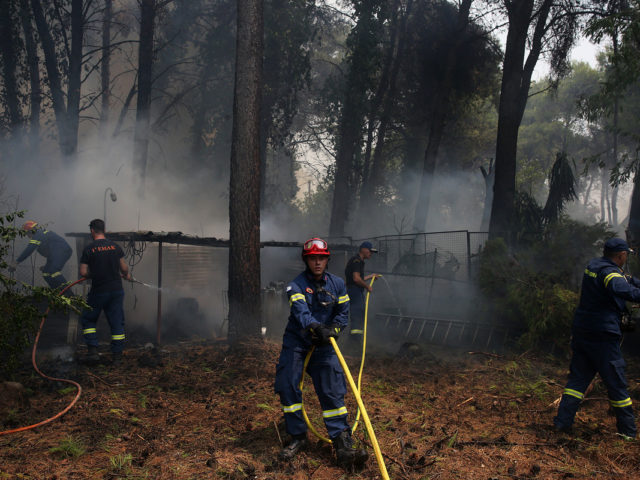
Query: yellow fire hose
[
  {"x": 365, "y": 417},
  {"x": 364, "y": 347},
  {"x": 356, "y": 393}
]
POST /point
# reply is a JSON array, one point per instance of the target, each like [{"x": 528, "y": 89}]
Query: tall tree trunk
[
  {"x": 614, "y": 191},
  {"x": 9, "y": 59},
  {"x": 587, "y": 194},
  {"x": 349, "y": 143},
  {"x": 366, "y": 193},
  {"x": 105, "y": 62},
  {"x": 438, "y": 120},
  {"x": 145, "y": 69},
  {"x": 352, "y": 115},
  {"x": 53, "y": 76},
  {"x": 75, "y": 72},
  {"x": 516, "y": 79},
  {"x": 633, "y": 229},
  {"x": 375, "y": 179},
  {"x": 35, "y": 96},
  {"x": 603, "y": 195},
  {"x": 489, "y": 178},
  {"x": 244, "y": 187}
]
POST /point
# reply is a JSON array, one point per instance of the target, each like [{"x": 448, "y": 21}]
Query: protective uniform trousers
[
  {"x": 328, "y": 380},
  {"x": 52, "y": 270},
  {"x": 112, "y": 304},
  {"x": 592, "y": 354},
  {"x": 356, "y": 308}
]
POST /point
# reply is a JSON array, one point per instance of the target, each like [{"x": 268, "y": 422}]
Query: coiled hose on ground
[{"x": 53, "y": 379}]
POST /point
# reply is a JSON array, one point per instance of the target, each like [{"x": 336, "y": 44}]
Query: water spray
[
  {"x": 135, "y": 280},
  {"x": 395, "y": 301},
  {"x": 148, "y": 285}
]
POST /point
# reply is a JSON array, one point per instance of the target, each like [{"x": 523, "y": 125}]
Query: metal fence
[{"x": 446, "y": 255}]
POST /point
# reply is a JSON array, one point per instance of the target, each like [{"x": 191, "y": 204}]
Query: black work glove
[
  {"x": 320, "y": 334},
  {"x": 336, "y": 330}
]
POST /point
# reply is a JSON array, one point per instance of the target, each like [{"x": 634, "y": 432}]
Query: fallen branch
[
  {"x": 494, "y": 355},
  {"x": 397, "y": 462},
  {"x": 278, "y": 433},
  {"x": 466, "y": 401},
  {"x": 556, "y": 402},
  {"x": 98, "y": 378},
  {"x": 486, "y": 443}
]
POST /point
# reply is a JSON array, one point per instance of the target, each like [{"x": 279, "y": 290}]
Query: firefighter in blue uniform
[
  {"x": 356, "y": 286},
  {"x": 319, "y": 310},
  {"x": 103, "y": 262},
  {"x": 52, "y": 247},
  {"x": 596, "y": 336}
]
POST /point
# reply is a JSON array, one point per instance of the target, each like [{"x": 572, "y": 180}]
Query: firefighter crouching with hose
[
  {"x": 52, "y": 247},
  {"x": 319, "y": 311}
]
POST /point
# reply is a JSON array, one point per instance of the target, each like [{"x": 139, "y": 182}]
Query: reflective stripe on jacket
[
  {"x": 324, "y": 302},
  {"x": 47, "y": 243},
  {"x": 602, "y": 298}
]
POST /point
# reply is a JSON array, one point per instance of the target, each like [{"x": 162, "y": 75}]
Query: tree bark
[
  {"x": 349, "y": 143},
  {"x": 35, "y": 96},
  {"x": 489, "y": 178},
  {"x": 366, "y": 193},
  {"x": 105, "y": 62},
  {"x": 516, "y": 79},
  {"x": 633, "y": 229},
  {"x": 53, "y": 77},
  {"x": 616, "y": 106},
  {"x": 244, "y": 187},
  {"x": 376, "y": 175},
  {"x": 9, "y": 59},
  {"x": 75, "y": 79},
  {"x": 145, "y": 69},
  {"x": 438, "y": 121},
  {"x": 350, "y": 130}
]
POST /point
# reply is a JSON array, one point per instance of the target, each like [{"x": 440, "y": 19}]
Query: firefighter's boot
[
  {"x": 298, "y": 443},
  {"x": 347, "y": 455},
  {"x": 93, "y": 358},
  {"x": 116, "y": 358}
]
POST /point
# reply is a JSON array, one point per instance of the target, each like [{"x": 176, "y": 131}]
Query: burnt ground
[{"x": 197, "y": 410}]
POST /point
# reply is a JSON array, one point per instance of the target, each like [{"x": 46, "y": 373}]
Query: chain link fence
[{"x": 445, "y": 255}]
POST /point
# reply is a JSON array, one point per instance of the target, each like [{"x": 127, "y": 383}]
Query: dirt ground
[{"x": 196, "y": 410}]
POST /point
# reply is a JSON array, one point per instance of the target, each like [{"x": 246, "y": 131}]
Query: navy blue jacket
[
  {"x": 325, "y": 301},
  {"x": 602, "y": 299},
  {"x": 48, "y": 244}
]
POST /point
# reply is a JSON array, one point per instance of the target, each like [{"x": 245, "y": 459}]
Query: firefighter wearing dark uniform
[
  {"x": 319, "y": 310},
  {"x": 103, "y": 262},
  {"x": 356, "y": 287},
  {"x": 596, "y": 337},
  {"x": 52, "y": 247}
]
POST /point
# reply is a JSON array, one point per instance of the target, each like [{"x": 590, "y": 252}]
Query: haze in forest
[{"x": 374, "y": 118}]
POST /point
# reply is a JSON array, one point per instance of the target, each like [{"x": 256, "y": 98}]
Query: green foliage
[
  {"x": 69, "y": 447},
  {"x": 561, "y": 187},
  {"x": 21, "y": 305},
  {"x": 536, "y": 285},
  {"x": 528, "y": 219},
  {"x": 121, "y": 462}
]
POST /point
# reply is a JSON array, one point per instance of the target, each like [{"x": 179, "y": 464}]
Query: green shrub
[
  {"x": 69, "y": 447},
  {"x": 22, "y": 306},
  {"x": 536, "y": 286}
]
